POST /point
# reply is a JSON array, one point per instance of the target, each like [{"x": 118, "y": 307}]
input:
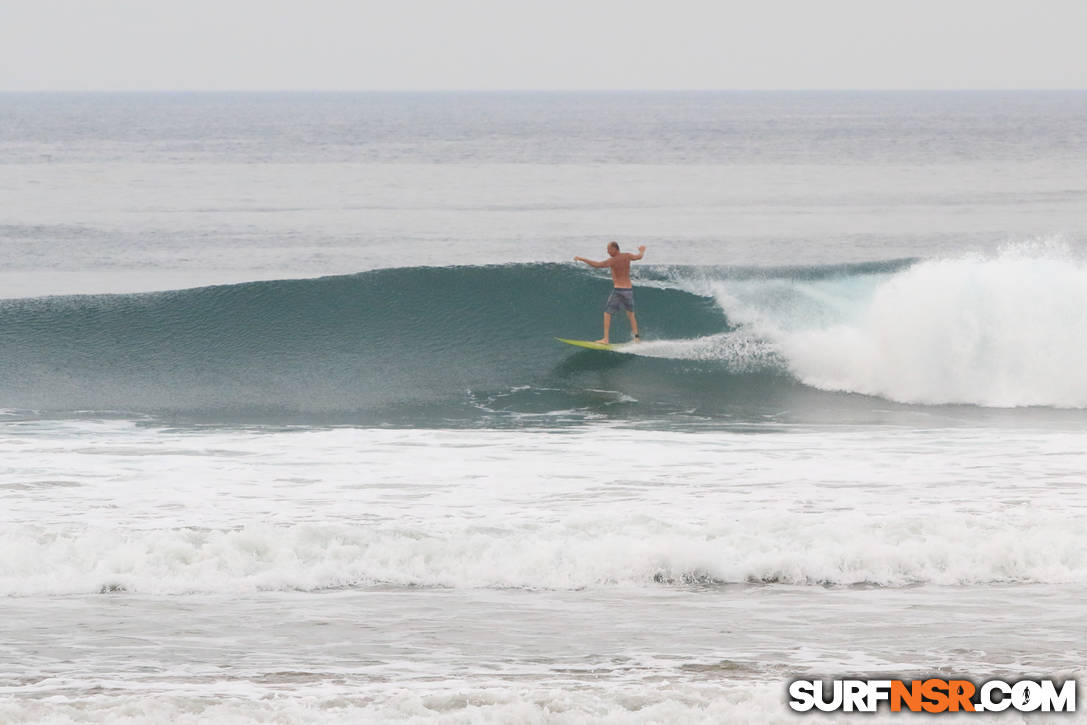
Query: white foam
[
  {"x": 112, "y": 506},
  {"x": 607, "y": 703},
  {"x": 665, "y": 702},
  {"x": 739, "y": 350},
  {"x": 1003, "y": 330},
  {"x": 579, "y": 552}
]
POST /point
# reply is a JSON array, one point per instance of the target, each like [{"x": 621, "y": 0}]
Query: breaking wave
[{"x": 424, "y": 346}]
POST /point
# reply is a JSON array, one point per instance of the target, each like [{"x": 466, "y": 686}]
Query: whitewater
[
  {"x": 1000, "y": 330},
  {"x": 285, "y": 435}
]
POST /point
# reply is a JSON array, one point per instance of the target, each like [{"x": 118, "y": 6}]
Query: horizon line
[{"x": 548, "y": 90}]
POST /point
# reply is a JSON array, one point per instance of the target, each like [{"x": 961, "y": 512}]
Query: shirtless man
[{"x": 623, "y": 294}]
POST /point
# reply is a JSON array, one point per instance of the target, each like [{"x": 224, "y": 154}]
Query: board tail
[{"x": 587, "y": 344}]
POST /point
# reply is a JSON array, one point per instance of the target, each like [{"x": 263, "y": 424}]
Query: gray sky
[{"x": 552, "y": 44}]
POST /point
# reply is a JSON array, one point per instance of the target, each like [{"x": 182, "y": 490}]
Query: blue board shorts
[{"x": 620, "y": 297}]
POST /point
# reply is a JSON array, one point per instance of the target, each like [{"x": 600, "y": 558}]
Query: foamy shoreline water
[
  {"x": 622, "y": 655},
  {"x": 118, "y": 507}
]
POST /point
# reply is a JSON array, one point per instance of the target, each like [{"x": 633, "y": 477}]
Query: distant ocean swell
[{"x": 437, "y": 345}]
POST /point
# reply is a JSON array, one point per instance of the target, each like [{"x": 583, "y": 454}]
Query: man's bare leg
[
  {"x": 633, "y": 325},
  {"x": 607, "y": 326}
]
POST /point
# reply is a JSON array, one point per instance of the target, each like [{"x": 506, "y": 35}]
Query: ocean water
[{"x": 285, "y": 435}]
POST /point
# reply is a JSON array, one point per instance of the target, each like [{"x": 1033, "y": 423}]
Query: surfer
[{"x": 623, "y": 294}]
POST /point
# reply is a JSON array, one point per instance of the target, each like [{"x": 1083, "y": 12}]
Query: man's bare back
[
  {"x": 622, "y": 297},
  {"x": 620, "y": 270}
]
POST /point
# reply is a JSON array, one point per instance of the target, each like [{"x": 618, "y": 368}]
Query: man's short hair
[{"x": 613, "y": 244}]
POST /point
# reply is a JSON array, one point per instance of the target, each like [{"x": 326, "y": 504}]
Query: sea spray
[{"x": 1002, "y": 331}]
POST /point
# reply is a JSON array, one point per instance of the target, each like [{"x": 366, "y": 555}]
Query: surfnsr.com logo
[{"x": 932, "y": 695}]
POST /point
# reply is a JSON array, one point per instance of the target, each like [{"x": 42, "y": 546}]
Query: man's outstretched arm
[
  {"x": 640, "y": 254},
  {"x": 591, "y": 263}
]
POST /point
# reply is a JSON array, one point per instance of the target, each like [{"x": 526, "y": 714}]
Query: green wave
[
  {"x": 413, "y": 346},
  {"x": 373, "y": 345}
]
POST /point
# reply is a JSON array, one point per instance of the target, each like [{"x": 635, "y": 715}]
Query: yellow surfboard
[{"x": 587, "y": 344}]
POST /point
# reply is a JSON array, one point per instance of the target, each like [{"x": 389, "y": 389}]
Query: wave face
[
  {"x": 386, "y": 345},
  {"x": 470, "y": 344}
]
